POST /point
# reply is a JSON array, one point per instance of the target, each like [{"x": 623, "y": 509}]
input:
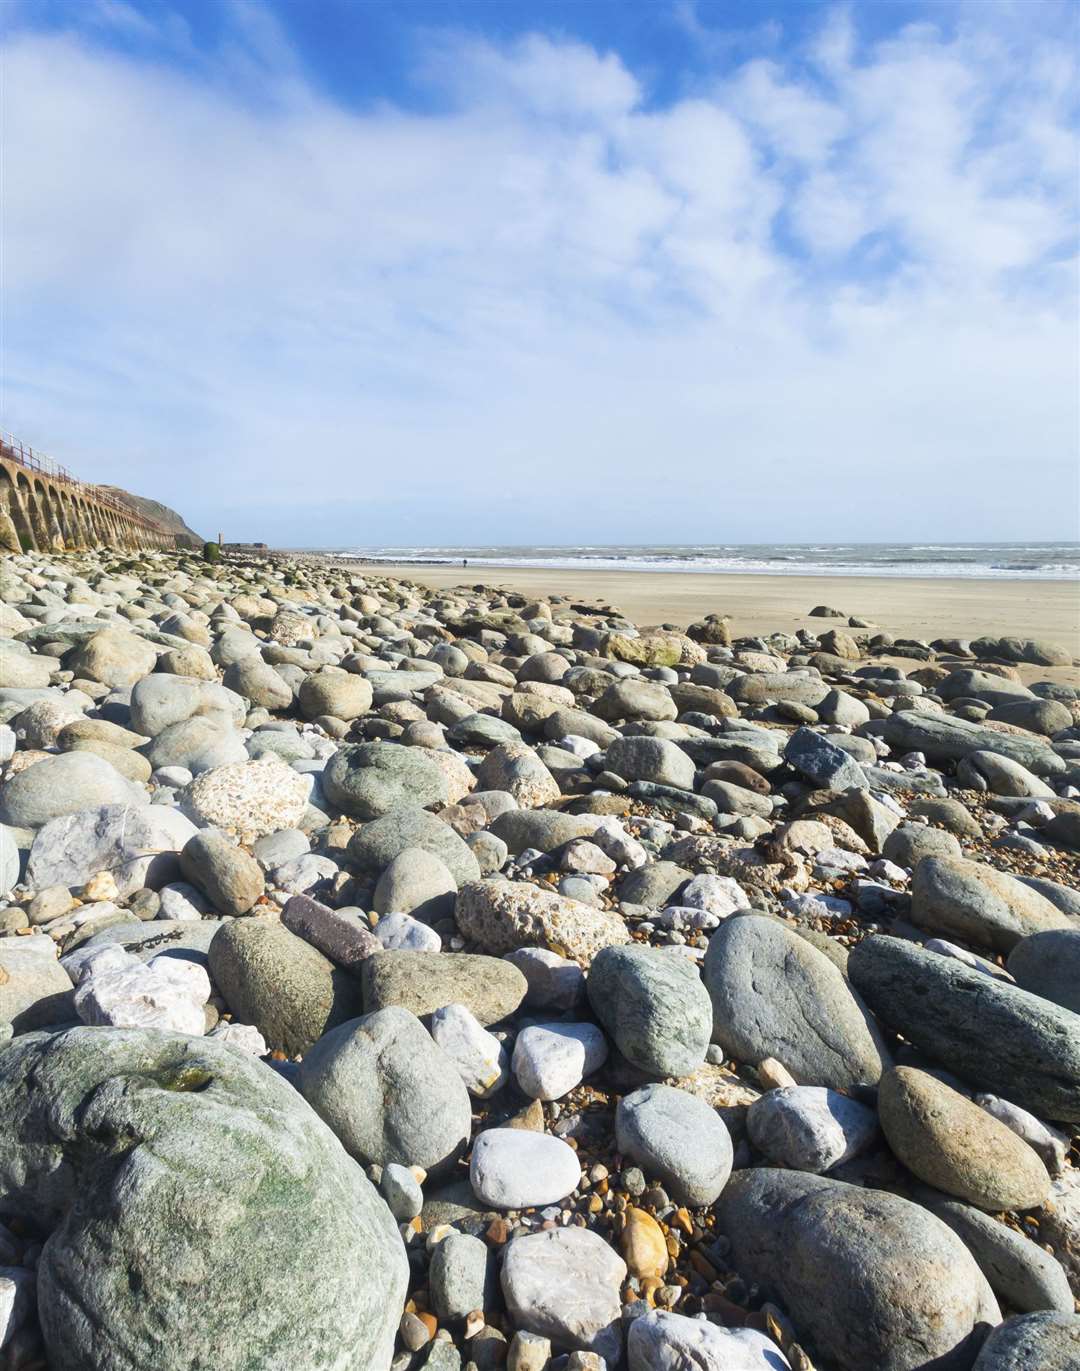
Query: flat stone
[{"x": 138, "y": 845}]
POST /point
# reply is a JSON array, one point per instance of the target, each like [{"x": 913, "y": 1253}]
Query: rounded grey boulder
[
  {"x": 227, "y": 875},
  {"x": 976, "y": 902},
  {"x": 1048, "y": 964},
  {"x": 388, "y": 1091},
  {"x": 677, "y": 1137},
  {"x": 1032, "y": 1342},
  {"x": 374, "y": 846},
  {"x": 869, "y": 1279},
  {"x": 992, "y": 1034},
  {"x": 175, "y": 1156},
  {"x": 654, "y": 1006},
  {"x": 367, "y": 780},
  {"x": 58, "y": 785},
  {"x": 775, "y": 995}
]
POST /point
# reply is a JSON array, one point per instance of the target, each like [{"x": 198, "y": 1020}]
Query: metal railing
[{"x": 17, "y": 451}]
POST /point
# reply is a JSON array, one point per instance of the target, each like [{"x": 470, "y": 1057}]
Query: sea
[{"x": 980, "y": 561}]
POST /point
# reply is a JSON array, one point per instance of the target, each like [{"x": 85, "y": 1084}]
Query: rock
[
  {"x": 228, "y": 876},
  {"x": 388, "y": 1091},
  {"x": 458, "y": 1276},
  {"x": 490, "y": 988},
  {"x": 954, "y": 817},
  {"x": 677, "y": 1137},
  {"x": 401, "y": 1191},
  {"x": 1000, "y": 775},
  {"x": 480, "y": 1058},
  {"x": 654, "y": 1006},
  {"x": 221, "y": 1156},
  {"x": 35, "y": 990},
  {"x": 367, "y": 780},
  {"x": 248, "y": 799},
  {"x": 282, "y": 985},
  {"x": 198, "y": 745},
  {"x": 1021, "y": 1274},
  {"x": 1037, "y": 716},
  {"x": 774, "y": 995},
  {"x": 416, "y": 882},
  {"x": 341, "y": 694},
  {"x": 374, "y": 846},
  {"x": 402, "y": 932},
  {"x": 1048, "y": 964},
  {"x": 112, "y": 656},
  {"x": 515, "y": 768},
  {"x": 564, "y": 1285},
  {"x": 908, "y": 844},
  {"x": 501, "y": 916},
  {"x": 979, "y": 903},
  {"x": 634, "y": 698},
  {"x": 943, "y": 738},
  {"x": 868, "y": 1279},
  {"x": 768, "y": 687},
  {"x": 643, "y": 1246},
  {"x": 810, "y": 1128},
  {"x": 651, "y": 759},
  {"x": 512, "y": 1168},
  {"x": 342, "y": 935},
  {"x": 58, "y": 785},
  {"x": 542, "y": 829},
  {"x": 550, "y": 1059},
  {"x": 160, "y": 700},
  {"x": 119, "y": 990},
  {"x": 993, "y": 1035},
  {"x": 823, "y": 763},
  {"x": 258, "y": 682},
  {"x": 1064, "y": 828},
  {"x": 10, "y": 860},
  {"x": 554, "y": 982},
  {"x": 1032, "y": 1342},
  {"x": 955, "y": 1146},
  {"x": 661, "y": 1341},
  {"x": 653, "y": 885}
]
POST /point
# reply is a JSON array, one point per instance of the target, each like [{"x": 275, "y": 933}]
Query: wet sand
[{"x": 930, "y": 608}]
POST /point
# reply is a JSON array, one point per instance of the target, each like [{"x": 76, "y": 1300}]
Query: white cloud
[{"x": 824, "y": 301}]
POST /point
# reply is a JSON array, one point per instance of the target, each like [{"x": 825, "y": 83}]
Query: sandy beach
[{"x": 929, "y": 608}]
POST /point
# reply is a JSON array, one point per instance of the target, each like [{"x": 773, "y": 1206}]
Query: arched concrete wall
[{"x": 40, "y": 514}]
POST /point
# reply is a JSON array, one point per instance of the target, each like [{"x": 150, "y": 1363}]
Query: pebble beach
[{"x": 541, "y": 971}]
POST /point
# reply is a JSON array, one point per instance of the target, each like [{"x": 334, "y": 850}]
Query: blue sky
[{"x": 331, "y": 273}]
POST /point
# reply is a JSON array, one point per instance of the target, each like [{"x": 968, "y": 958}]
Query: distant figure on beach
[{"x": 464, "y": 561}]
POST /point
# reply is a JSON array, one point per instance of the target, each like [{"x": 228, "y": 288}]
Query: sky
[{"x": 440, "y": 272}]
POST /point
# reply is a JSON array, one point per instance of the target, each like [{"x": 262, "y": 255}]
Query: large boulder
[
  {"x": 153, "y": 1158},
  {"x": 389, "y": 1092},
  {"x": 1048, "y": 964},
  {"x": 943, "y": 738},
  {"x": 654, "y": 1006},
  {"x": 979, "y": 903},
  {"x": 775, "y": 995},
  {"x": 248, "y": 799},
  {"x": 868, "y": 1279},
  {"x": 564, "y": 1284},
  {"x": 991, "y": 1034},
  {"x": 35, "y": 990},
  {"x": 1044, "y": 1341},
  {"x": 677, "y": 1137},
  {"x": 651, "y": 759}
]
